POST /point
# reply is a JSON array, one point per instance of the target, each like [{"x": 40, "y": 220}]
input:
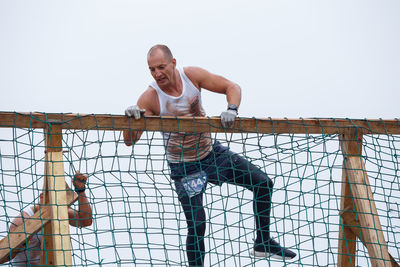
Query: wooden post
[
  {"x": 347, "y": 238},
  {"x": 363, "y": 212},
  {"x": 56, "y": 245}
]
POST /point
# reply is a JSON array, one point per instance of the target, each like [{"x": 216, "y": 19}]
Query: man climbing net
[{"x": 194, "y": 159}]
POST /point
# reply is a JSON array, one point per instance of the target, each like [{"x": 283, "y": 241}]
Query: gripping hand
[
  {"x": 228, "y": 117},
  {"x": 79, "y": 182},
  {"x": 134, "y": 111}
]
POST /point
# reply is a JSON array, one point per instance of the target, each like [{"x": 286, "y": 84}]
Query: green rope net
[{"x": 138, "y": 220}]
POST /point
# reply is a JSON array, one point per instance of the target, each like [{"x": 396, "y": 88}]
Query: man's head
[
  {"x": 161, "y": 64},
  {"x": 163, "y": 48}
]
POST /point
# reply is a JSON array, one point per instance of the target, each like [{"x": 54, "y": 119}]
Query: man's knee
[
  {"x": 198, "y": 229},
  {"x": 264, "y": 185},
  {"x": 268, "y": 183}
]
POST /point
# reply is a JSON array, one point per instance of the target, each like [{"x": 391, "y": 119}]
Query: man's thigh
[{"x": 234, "y": 169}]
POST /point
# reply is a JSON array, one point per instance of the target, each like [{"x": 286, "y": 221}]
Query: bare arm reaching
[
  {"x": 146, "y": 105},
  {"x": 83, "y": 216}
]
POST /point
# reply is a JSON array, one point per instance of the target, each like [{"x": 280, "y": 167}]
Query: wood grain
[{"x": 195, "y": 124}]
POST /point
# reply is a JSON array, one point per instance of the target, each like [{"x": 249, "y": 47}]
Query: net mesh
[{"x": 137, "y": 218}]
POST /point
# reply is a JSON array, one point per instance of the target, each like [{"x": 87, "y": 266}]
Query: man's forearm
[
  {"x": 131, "y": 137},
  {"x": 84, "y": 216},
  {"x": 84, "y": 206},
  {"x": 234, "y": 94}
]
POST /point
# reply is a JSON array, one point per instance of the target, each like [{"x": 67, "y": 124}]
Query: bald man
[{"x": 194, "y": 159}]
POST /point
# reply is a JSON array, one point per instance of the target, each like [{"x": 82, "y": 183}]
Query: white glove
[
  {"x": 134, "y": 111},
  {"x": 228, "y": 118}
]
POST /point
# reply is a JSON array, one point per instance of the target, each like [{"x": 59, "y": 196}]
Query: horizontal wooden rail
[{"x": 196, "y": 124}]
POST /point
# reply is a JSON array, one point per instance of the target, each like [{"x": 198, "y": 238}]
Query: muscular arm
[
  {"x": 149, "y": 102},
  {"x": 215, "y": 83},
  {"x": 131, "y": 137},
  {"x": 83, "y": 216}
]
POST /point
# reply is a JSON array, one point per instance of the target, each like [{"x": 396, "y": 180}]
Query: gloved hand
[
  {"x": 228, "y": 118},
  {"x": 134, "y": 111}
]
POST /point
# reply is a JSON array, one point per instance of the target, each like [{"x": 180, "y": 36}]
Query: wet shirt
[{"x": 182, "y": 146}]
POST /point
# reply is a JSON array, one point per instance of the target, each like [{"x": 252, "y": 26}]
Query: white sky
[{"x": 292, "y": 58}]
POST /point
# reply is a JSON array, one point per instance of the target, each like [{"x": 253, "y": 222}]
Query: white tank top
[
  {"x": 183, "y": 146},
  {"x": 30, "y": 256}
]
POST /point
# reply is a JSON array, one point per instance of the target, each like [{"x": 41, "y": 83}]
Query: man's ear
[{"x": 174, "y": 62}]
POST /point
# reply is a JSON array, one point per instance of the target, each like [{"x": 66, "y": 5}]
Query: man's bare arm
[
  {"x": 83, "y": 216},
  {"x": 148, "y": 101},
  {"x": 215, "y": 83}
]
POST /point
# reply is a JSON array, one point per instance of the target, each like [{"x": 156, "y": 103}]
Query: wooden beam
[
  {"x": 17, "y": 238},
  {"x": 47, "y": 255},
  {"x": 347, "y": 238},
  {"x": 56, "y": 248},
  {"x": 349, "y": 219},
  {"x": 198, "y": 124},
  {"x": 350, "y": 230},
  {"x": 365, "y": 208},
  {"x": 369, "y": 222}
]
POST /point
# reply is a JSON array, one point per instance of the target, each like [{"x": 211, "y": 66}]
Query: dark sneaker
[{"x": 272, "y": 249}]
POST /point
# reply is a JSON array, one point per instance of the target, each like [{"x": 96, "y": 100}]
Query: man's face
[{"x": 161, "y": 67}]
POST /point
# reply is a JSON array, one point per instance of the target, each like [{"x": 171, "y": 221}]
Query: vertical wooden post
[
  {"x": 365, "y": 214},
  {"x": 56, "y": 244},
  {"x": 347, "y": 239}
]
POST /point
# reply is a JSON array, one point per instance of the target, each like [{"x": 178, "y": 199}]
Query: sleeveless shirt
[
  {"x": 30, "y": 256},
  {"x": 181, "y": 146}
]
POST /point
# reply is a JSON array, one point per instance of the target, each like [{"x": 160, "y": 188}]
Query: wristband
[
  {"x": 233, "y": 107},
  {"x": 80, "y": 190}
]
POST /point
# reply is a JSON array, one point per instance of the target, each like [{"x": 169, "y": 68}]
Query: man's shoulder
[
  {"x": 195, "y": 74},
  {"x": 192, "y": 70},
  {"x": 150, "y": 92},
  {"x": 149, "y": 99},
  {"x": 148, "y": 95}
]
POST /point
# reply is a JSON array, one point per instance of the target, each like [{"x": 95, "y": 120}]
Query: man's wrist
[
  {"x": 233, "y": 107},
  {"x": 80, "y": 190}
]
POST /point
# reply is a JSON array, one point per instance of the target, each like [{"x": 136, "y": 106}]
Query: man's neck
[{"x": 174, "y": 88}]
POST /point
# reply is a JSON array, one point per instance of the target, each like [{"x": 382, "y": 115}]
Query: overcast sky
[
  {"x": 291, "y": 58},
  {"x": 337, "y": 58}
]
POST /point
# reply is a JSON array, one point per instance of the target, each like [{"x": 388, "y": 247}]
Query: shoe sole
[{"x": 259, "y": 254}]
